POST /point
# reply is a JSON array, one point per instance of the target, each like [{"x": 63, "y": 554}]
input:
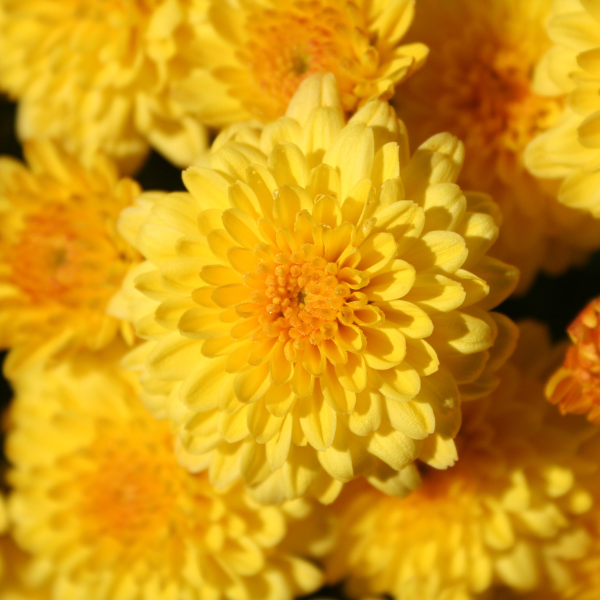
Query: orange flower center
[
  {"x": 64, "y": 255},
  {"x": 301, "y": 299},
  {"x": 287, "y": 46},
  {"x": 490, "y": 98},
  {"x": 131, "y": 493}
]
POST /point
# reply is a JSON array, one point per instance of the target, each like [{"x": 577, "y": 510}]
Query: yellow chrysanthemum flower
[
  {"x": 257, "y": 52},
  {"x": 314, "y": 303},
  {"x": 61, "y": 256},
  {"x": 99, "y": 75},
  {"x": 571, "y": 149},
  {"x": 100, "y": 503},
  {"x": 480, "y": 88},
  {"x": 510, "y": 513}
]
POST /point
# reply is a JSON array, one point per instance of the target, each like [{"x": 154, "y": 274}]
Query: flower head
[
  {"x": 480, "y": 88},
  {"x": 316, "y": 305},
  {"x": 62, "y": 258},
  {"x": 575, "y": 386},
  {"x": 512, "y": 511},
  {"x": 104, "y": 509},
  {"x": 570, "y": 150},
  {"x": 98, "y": 75},
  {"x": 257, "y": 52}
]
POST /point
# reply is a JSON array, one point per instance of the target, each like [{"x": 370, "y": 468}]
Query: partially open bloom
[
  {"x": 575, "y": 386},
  {"x": 98, "y": 75},
  {"x": 61, "y": 256},
  {"x": 105, "y": 511},
  {"x": 479, "y": 87},
  {"x": 257, "y": 52},
  {"x": 511, "y": 512},
  {"x": 316, "y": 305},
  {"x": 571, "y": 149}
]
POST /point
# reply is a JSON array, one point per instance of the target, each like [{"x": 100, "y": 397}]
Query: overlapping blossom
[
  {"x": 105, "y": 511},
  {"x": 571, "y": 149},
  {"x": 512, "y": 512},
  {"x": 61, "y": 256},
  {"x": 99, "y": 75},
  {"x": 479, "y": 87},
  {"x": 575, "y": 386},
  {"x": 256, "y": 53},
  {"x": 316, "y": 305}
]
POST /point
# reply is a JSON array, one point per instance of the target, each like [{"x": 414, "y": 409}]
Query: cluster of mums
[{"x": 289, "y": 375}]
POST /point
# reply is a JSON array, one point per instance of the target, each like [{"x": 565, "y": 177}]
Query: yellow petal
[
  {"x": 318, "y": 420},
  {"x": 289, "y": 166},
  {"x": 338, "y": 397},
  {"x": 241, "y": 227},
  {"x": 202, "y": 324},
  {"x": 443, "y": 250},
  {"x": 400, "y": 383},
  {"x": 200, "y": 389},
  {"x": 392, "y": 447},
  {"x": 279, "y": 400},
  {"x": 352, "y": 375},
  {"x": 352, "y": 154},
  {"x": 410, "y": 320},
  {"x": 208, "y": 188},
  {"x": 367, "y": 413},
  {"x": 386, "y": 348},
  {"x": 277, "y": 448},
  {"x": 436, "y": 292},
  {"x": 251, "y": 384},
  {"x": 393, "y": 284},
  {"x": 414, "y": 419},
  {"x": 174, "y": 357},
  {"x": 322, "y": 129},
  {"x": 232, "y": 426},
  {"x": 377, "y": 251},
  {"x": 320, "y": 90},
  {"x": 261, "y": 424}
]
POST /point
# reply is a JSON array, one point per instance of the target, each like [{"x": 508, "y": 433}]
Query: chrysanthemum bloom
[
  {"x": 480, "y": 88},
  {"x": 509, "y": 513},
  {"x": 317, "y": 300},
  {"x": 575, "y": 386},
  {"x": 98, "y": 75},
  {"x": 60, "y": 254},
  {"x": 571, "y": 149},
  {"x": 106, "y": 512},
  {"x": 257, "y": 52}
]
